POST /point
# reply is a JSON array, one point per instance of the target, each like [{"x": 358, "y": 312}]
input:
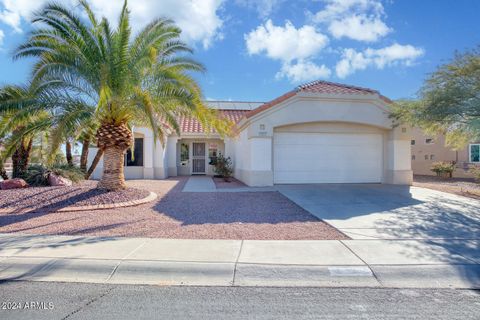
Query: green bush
[
  {"x": 475, "y": 171},
  {"x": 37, "y": 175},
  {"x": 224, "y": 167},
  {"x": 72, "y": 173},
  {"x": 443, "y": 168}
]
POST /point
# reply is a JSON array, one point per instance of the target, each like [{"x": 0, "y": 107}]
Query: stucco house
[
  {"x": 320, "y": 132},
  {"x": 428, "y": 149}
]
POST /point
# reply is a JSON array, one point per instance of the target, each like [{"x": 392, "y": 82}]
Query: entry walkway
[
  {"x": 206, "y": 184},
  {"x": 200, "y": 184}
]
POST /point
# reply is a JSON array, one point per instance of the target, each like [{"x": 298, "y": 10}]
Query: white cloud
[
  {"x": 199, "y": 19},
  {"x": 359, "y": 27},
  {"x": 359, "y": 20},
  {"x": 263, "y": 7},
  {"x": 285, "y": 43},
  {"x": 2, "y": 35},
  {"x": 303, "y": 71},
  {"x": 293, "y": 47},
  {"x": 395, "y": 54},
  {"x": 14, "y": 11}
]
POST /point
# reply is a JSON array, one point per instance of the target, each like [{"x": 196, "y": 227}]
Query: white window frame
[{"x": 470, "y": 152}]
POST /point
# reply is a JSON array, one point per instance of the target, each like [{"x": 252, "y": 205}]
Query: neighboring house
[
  {"x": 428, "y": 149},
  {"x": 320, "y": 132}
]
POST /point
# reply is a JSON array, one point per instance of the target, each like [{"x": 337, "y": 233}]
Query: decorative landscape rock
[
  {"x": 54, "y": 198},
  {"x": 13, "y": 184},
  {"x": 58, "y": 181}
]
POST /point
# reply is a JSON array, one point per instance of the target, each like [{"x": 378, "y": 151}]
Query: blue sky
[{"x": 256, "y": 50}]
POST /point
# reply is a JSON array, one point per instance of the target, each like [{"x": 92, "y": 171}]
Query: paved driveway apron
[
  {"x": 397, "y": 225},
  {"x": 374, "y": 211}
]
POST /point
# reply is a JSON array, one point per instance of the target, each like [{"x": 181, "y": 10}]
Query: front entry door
[{"x": 198, "y": 158}]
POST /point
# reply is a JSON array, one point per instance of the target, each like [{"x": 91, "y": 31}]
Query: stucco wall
[{"x": 330, "y": 127}]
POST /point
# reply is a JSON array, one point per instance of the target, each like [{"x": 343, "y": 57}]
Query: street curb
[{"x": 177, "y": 273}]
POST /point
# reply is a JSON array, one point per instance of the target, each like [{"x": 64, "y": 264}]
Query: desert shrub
[
  {"x": 475, "y": 171},
  {"x": 73, "y": 173},
  {"x": 224, "y": 167},
  {"x": 443, "y": 168},
  {"x": 37, "y": 174}
]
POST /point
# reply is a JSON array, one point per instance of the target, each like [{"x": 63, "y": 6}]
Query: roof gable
[
  {"x": 233, "y": 110},
  {"x": 319, "y": 86}
]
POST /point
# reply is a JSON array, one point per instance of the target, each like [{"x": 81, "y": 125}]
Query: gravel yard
[
  {"x": 183, "y": 215},
  {"x": 220, "y": 183},
  {"x": 463, "y": 187},
  {"x": 51, "y": 198}
]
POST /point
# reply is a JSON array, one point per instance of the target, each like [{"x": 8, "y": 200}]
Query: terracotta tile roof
[
  {"x": 191, "y": 125},
  {"x": 333, "y": 88},
  {"x": 319, "y": 86}
]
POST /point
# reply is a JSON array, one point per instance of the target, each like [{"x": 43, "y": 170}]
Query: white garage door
[{"x": 327, "y": 158}]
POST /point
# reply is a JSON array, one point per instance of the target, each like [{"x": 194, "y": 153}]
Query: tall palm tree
[
  {"x": 143, "y": 80},
  {"x": 30, "y": 111},
  {"x": 19, "y": 123}
]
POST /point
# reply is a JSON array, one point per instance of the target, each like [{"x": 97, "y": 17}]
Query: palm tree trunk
[
  {"x": 21, "y": 158},
  {"x": 84, "y": 155},
  {"x": 27, "y": 154},
  {"x": 113, "y": 178},
  {"x": 68, "y": 153},
  {"x": 16, "y": 170},
  {"x": 94, "y": 164}
]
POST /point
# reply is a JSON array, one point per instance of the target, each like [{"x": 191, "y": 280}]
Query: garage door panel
[
  {"x": 326, "y": 176},
  {"x": 327, "y": 158}
]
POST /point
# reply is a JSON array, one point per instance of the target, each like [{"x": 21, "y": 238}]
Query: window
[
  {"x": 413, "y": 157},
  {"x": 137, "y": 159},
  {"x": 432, "y": 157},
  {"x": 412, "y": 142},
  {"x": 212, "y": 154},
  {"x": 429, "y": 140},
  {"x": 426, "y": 157},
  {"x": 184, "y": 154},
  {"x": 475, "y": 152}
]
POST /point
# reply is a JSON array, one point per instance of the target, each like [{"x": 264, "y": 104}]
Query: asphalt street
[{"x": 54, "y": 300}]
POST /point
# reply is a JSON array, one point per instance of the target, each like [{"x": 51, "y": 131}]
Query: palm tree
[
  {"x": 19, "y": 123},
  {"x": 142, "y": 80},
  {"x": 30, "y": 111}
]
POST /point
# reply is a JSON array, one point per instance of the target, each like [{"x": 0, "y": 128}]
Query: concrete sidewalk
[{"x": 349, "y": 263}]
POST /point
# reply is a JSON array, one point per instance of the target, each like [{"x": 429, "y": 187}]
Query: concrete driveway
[{"x": 374, "y": 211}]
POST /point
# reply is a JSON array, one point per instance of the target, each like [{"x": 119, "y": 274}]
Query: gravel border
[
  {"x": 459, "y": 186},
  {"x": 233, "y": 184},
  {"x": 76, "y": 191}
]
